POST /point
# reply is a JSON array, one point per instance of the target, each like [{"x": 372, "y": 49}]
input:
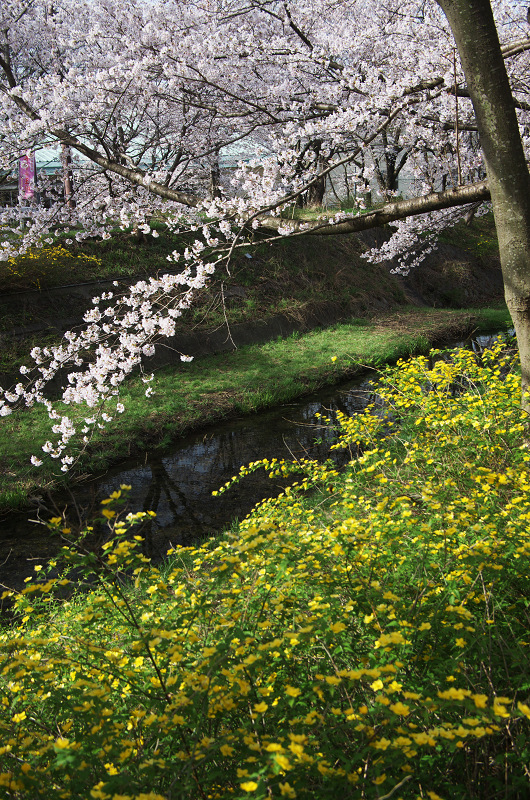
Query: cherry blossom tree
[{"x": 144, "y": 95}]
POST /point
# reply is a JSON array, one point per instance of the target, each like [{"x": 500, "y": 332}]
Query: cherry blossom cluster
[
  {"x": 118, "y": 335},
  {"x": 414, "y": 238}
]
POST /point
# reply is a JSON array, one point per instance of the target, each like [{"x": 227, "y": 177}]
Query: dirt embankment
[{"x": 275, "y": 290}]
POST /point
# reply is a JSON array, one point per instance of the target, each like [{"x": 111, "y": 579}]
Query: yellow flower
[
  {"x": 226, "y": 750},
  {"x": 292, "y": 691},
  {"x": 454, "y": 694},
  {"x": 249, "y": 786},
  {"x": 390, "y": 638},
  {"x": 337, "y": 627},
  {"x": 286, "y": 790},
  {"x": 499, "y": 710},
  {"x": 61, "y": 743},
  {"x": 19, "y": 717},
  {"x": 423, "y": 738},
  {"x": 382, "y": 744},
  {"x": 282, "y": 761},
  {"x": 376, "y": 685},
  {"x": 401, "y": 709},
  {"x": 260, "y": 708},
  {"x": 481, "y": 700},
  {"x": 97, "y": 792}
]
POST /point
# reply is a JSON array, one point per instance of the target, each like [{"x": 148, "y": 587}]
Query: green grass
[
  {"x": 215, "y": 387},
  {"x": 492, "y": 319},
  {"x": 479, "y": 237}
]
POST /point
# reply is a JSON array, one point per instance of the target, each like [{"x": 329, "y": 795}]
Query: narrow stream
[{"x": 178, "y": 484}]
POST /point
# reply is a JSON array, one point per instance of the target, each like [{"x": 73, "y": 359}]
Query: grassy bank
[
  {"x": 367, "y": 638},
  {"x": 252, "y": 378},
  {"x": 323, "y": 279}
]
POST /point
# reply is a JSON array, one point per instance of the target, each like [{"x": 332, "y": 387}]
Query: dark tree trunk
[
  {"x": 215, "y": 176},
  {"x": 509, "y": 182},
  {"x": 68, "y": 177},
  {"x": 315, "y": 194}
]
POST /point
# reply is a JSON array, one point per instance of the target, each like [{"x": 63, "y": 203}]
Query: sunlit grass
[{"x": 215, "y": 387}]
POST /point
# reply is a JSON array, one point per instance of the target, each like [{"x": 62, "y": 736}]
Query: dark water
[{"x": 178, "y": 484}]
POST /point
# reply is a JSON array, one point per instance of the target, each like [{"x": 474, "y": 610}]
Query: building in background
[{"x": 48, "y": 163}]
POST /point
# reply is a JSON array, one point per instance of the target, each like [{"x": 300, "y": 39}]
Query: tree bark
[
  {"x": 314, "y": 195},
  {"x": 68, "y": 177},
  {"x": 390, "y": 212},
  {"x": 476, "y": 37},
  {"x": 215, "y": 175}
]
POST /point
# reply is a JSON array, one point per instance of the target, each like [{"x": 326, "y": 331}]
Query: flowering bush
[
  {"x": 27, "y": 270},
  {"x": 363, "y": 635}
]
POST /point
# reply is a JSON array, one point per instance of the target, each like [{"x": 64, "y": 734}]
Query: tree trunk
[
  {"x": 509, "y": 182},
  {"x": 315, "y": 194},
  {"x": 68, "y": 177},
  {"x": 215, "y": 176}
]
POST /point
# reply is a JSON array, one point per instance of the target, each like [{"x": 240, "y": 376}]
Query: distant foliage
[{"x": 363, "y": 635}]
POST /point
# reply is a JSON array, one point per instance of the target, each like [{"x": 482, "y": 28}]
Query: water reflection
[{"x": 178, "y": 484}]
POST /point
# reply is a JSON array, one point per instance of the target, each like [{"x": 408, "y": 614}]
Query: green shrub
[{"x": 364, "y": 635}]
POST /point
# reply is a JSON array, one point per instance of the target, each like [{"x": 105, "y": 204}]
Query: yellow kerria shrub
[
  {"x": 37, "y": 263},
  {"x": 363, "y": 635},
  {"x": 51, "y": 254}
]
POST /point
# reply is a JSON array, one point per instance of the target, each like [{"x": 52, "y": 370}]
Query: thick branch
[
  {"x": 390, "y": 212},
  {"x": 515, "y": 48}
]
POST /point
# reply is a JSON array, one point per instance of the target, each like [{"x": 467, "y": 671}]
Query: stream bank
[
  {"x": 273, "y": 289},
  {"x": 177, "y": 483},
  {"x": 291, "y": 306},
  {"x": 191, "y": 396}
]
